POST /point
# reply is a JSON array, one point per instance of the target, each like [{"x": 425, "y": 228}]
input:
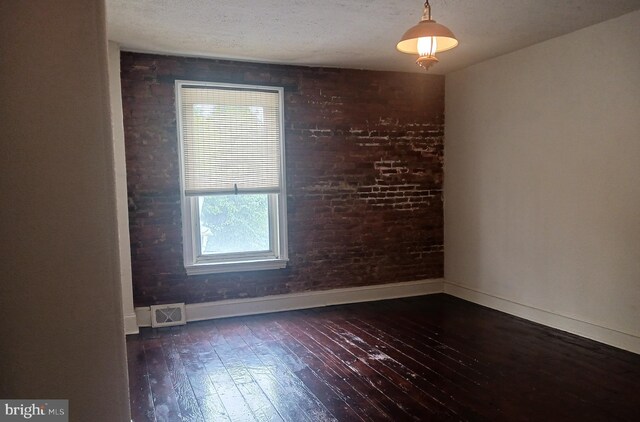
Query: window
[{"x": 232, "y": 177}]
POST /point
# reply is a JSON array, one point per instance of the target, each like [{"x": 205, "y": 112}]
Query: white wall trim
[
  {"x": 122, "y": 206},
  {"x": 289, "y": 302},
  {"x": 314, "y": 299},
  {"x": 572, "y": 325},
  {"x": 131, "y": 324}
]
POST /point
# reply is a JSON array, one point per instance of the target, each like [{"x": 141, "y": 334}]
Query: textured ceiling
[{"x": 345, "y": 33}]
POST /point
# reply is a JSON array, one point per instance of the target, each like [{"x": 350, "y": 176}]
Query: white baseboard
[
  {"x": 589, "y": 330},
  {"x": 314, "y": 299},
  {"x": 131, "y": 324},
  {"x": 289, "y": 302}
]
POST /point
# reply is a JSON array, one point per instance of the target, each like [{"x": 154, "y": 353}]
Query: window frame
[{"x": 194, "y": 261}]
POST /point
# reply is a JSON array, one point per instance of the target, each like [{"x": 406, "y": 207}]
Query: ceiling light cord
[{"x": 426, "y": 15}]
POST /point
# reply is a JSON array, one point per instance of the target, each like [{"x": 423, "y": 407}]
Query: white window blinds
[{"x": 231, "y": 139}]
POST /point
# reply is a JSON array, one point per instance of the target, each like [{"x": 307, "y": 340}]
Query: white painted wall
[
  {"x": 122, "y": 209},
  {"x": 542, "y": 182},
  {"x": 61, "y": 334}
]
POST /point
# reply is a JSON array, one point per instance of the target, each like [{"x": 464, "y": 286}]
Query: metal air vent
[{"x": 168, "y": 315}]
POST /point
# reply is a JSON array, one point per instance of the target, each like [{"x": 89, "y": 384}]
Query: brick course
[{"x": 364, "y": 155}]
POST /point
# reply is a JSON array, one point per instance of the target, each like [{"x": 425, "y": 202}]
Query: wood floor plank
[
  {"x": 425, "y": 358},
  {"x": 287, "y": 384},
  {"x": 466, "y": 400},
  {"x": 212, "y": 409},
  {"x": 362, "y": 379},
  {"x": 516, "y": 395},
  {"x": 400, "y": 339},
  {"x": 354, "y": 390},
  {"x": 521, "y": 341},
  {"x": 234, "y": 403},
  {"x": 411, "y": 383},
  {"x": 246, "y": 371},
  {"x": 407, "y": 313},
  {"x": 189, "y": 407},
  {"x": 190, "y": 356},
  {"x": 380, "y": 377},
  {"x": 330, "y": 395},
  {"x": 142, "y": 409},
  {"x": 516, "y": 339},
  {"x": 165, "y": 401},
  {"x": 446, "y": 356},
  {"x": 430, "y": 365},
  {"x": 204, "y": 391}
]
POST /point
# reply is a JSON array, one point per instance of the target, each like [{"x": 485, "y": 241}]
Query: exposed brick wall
[{"x": 364, "y": 155}]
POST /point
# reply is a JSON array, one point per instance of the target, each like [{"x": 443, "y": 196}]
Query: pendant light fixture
[{"x": 426, "y": 39}]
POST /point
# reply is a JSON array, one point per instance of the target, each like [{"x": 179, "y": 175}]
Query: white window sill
[{"x": 228, "y": 267}]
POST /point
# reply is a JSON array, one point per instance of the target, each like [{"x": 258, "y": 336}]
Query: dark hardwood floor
[{"x": 427, "y": 358}]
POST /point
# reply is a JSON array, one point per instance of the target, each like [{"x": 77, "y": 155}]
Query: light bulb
[{"x": 427, "y": 46}]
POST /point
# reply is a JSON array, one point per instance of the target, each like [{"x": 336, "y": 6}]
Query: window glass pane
[{"x": 234, "y": 223}]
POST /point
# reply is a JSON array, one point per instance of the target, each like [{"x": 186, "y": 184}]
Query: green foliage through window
[{"x": 234, "y": 223}]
